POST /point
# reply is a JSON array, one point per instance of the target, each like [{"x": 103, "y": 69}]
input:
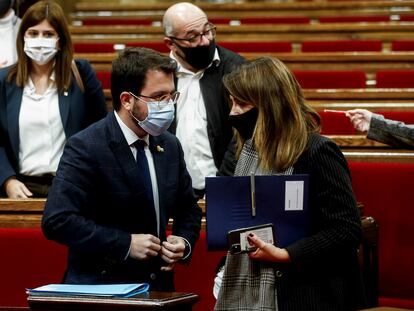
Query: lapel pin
[
  {"x": 160, "y": 149},
  {"x": 65, "y": 93}
]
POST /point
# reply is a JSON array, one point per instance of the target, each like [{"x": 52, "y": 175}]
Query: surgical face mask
[
  {"x": 201, "y": 56},
  {"x": 40, "y": 50},
  {"x": 159, "y": 118}
]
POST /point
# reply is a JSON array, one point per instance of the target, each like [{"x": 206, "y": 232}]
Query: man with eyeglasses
[
  {"x": 201, "y": 122},
  {"x": 121, "y": 180}
]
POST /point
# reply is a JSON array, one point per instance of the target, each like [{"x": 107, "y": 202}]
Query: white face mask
[
  {"x": 40, "y": 50},
  {"x": 160, "y": 117}
]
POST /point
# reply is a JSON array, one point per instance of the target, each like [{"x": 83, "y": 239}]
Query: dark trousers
[{"x": 38, "y": 185}]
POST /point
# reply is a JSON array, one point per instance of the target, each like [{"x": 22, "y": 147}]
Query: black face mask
[
  {"x": 245, "y": 123},
  {"x": 5, "y": 5},
  {"x": 199, "y": 57}
]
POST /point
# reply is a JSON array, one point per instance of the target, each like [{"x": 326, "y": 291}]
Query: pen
[
  {"x": 334, "y": 111},
  {"x": 253, "y": 194}
]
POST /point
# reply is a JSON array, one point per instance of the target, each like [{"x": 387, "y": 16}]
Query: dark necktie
[{"x": 144, "y": 169}]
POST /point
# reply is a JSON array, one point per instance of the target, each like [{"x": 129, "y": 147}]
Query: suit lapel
[
  {"x": 122, "y": 153},
  {"x": 14, "y": 102},
  {"x": 64, "y": 105}
]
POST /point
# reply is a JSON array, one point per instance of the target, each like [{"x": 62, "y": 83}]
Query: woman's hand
[
  {"x": 360, "y": 119},
  {"x": 267, "y": 251},
  {"x": 15, "y": 189}
]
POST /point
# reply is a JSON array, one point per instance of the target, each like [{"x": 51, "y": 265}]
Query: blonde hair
[
  {"x": 284, "y": 120},
  {"x": 53, "y": 13}
]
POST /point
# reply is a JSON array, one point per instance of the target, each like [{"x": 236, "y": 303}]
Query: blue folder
[
  {"x": 99, "y": 290},
  {"x": 230, "y": 200}
]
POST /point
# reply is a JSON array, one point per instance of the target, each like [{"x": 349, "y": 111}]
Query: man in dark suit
[
  {"x": 120, "y": 180},
  {"x": 202, "y": 123}
]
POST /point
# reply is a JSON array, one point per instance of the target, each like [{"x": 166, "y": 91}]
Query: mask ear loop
[{"x": 130, "y": 111}]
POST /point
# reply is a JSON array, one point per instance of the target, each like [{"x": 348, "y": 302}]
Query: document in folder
[
  {"x": 246, "y": 201},
  {"x": 100, "y": 290}
]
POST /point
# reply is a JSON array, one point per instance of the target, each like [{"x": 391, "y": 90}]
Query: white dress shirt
[
  {"x": 9, "y": 26},
  {"x": 131, "y": 138},
  {"x": 41, "y": 133},
  {"x": 191, "y": 119}
]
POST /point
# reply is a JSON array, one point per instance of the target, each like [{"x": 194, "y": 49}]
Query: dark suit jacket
[
  {"x": 77, "y": 110},
  {"x": 98, "y": 199},
  {"x": 324, "y": 272},
  {"x": 219, "y": 129}
]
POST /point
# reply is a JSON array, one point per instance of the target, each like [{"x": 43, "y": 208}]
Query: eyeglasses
[
  {"x": 209, "y": 33},
  {"x": 161, "y": 99}
]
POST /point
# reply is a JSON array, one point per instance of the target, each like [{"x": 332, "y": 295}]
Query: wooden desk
[
  {"x": 22, "y": 213},
  {"x": 168, "y": 301}
]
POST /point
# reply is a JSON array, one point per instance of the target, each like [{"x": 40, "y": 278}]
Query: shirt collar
[
  {"x": 183, "y": 71},
  {"x": 6, "y": 20},
  {"x": 129, "y": 134},
  {"x": 30, "y": 89}
]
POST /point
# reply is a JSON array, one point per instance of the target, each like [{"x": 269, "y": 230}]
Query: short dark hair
[{"x": 129, "y": 70}]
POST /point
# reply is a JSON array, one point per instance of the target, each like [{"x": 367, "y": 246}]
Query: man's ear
[
  {"x": 126, "y": 100},
  {"x": 169, "y": 43}
]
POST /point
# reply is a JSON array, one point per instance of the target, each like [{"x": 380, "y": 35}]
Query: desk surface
[
  {"x": 147, "y": 301},
  {"x": 385, "y": 309}
]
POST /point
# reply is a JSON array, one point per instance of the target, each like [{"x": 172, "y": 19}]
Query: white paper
[
  {"x": 265, "y": 234},
  {"x": 294, "y": 195}
]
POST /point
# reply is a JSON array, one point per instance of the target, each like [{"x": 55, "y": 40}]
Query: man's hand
[
  {"x": 144, "y": 246},
  {"x": 172, "y": 250},
  {"x": 15, "y": 189},
  {"x": 360, "y": 119},
  {"x": 267, "y": 251}
]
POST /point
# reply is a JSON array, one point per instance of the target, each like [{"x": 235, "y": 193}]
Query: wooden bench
[
  {"x": 385, "y": 32},
  {"x": 355, "y": 141},
  {"x": 369, "y": 62},
  {"x": 344, "y": 99},
  {"x": 380, "y": 101},
  {"x": 23, "y": 213},
  {"x": 312, "y": 9},
  {"x": 242, "y": 20},
  {"x": 335, "y": 122},
  {"x": 367, "y": 95}
]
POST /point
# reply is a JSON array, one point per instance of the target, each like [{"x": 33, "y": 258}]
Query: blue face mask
[{"x": 159, "y": 118}]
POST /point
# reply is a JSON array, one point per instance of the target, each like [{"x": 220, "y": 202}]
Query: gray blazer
[{"x": 391, "y": 132}]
